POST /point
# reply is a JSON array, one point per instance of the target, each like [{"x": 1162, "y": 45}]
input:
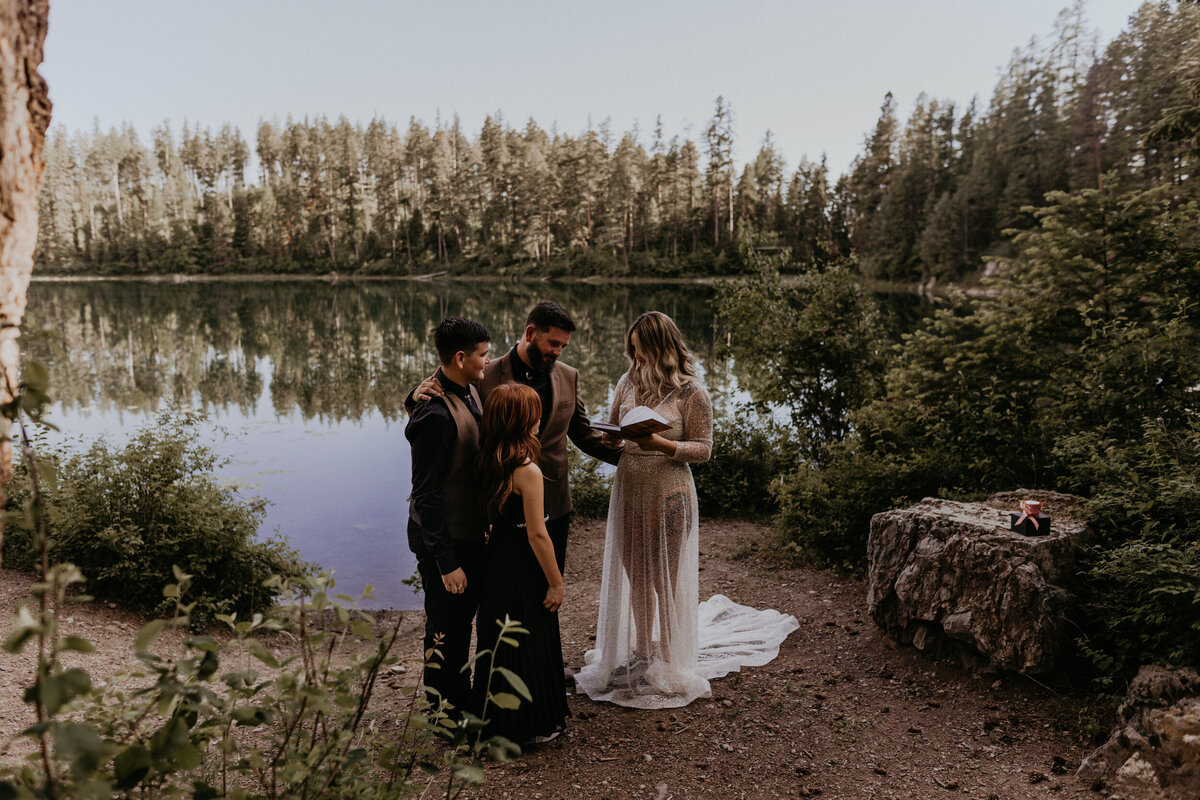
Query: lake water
[{"x": 302, "y": 385}]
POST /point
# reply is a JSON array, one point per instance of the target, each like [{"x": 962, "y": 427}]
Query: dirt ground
[{"x": 841, "y": 713}]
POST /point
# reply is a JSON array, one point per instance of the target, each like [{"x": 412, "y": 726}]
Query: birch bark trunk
[{"x": 24, "y": 118}]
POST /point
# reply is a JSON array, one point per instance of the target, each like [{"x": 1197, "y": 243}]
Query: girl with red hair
[{"x": 522, "y": 581}]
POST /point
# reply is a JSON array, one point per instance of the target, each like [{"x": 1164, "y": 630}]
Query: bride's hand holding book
[{"x": 640, "y": 425}]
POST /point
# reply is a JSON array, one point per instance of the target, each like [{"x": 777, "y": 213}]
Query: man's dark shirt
[
  {"x": 432, "y": 433},
  {"x": 536, "y": 379}
]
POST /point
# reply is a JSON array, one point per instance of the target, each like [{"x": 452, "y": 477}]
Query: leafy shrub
[
  {"x": 750, "y": 450},
  {"x": 1077, "y": 373},
  {"x": 211, "y": 725},
  {"x": 1141, "y": 578},
  {"x": 1144, "y": 605},
  {"x": 826, "y": 512},
  {"x": 591, "y": 486},
  {"x": 126, "y": 517},
  {"x": 813, "y": 345},
  {"x": 592, "y": 262}
]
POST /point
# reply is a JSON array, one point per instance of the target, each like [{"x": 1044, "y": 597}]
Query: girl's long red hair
[{"x": 507, "y": 441}]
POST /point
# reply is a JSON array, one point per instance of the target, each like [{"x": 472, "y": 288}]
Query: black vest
[
  {"x": 461, "y": 501},
  {"x": 461, "y": 493}
]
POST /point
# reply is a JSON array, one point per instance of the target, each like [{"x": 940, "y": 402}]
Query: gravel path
[{"x": 842, "y": 713}]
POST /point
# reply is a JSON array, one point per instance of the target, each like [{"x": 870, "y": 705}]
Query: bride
[{"x": 656, "y": 645}]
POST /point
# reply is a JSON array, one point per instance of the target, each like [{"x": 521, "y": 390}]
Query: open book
[{"x": 640, "y": 421}]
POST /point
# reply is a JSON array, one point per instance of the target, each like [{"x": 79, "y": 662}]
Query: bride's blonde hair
[{"x": 668, "y": 366}]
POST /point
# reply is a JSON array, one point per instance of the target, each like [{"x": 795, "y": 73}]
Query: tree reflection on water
[
  {"x": 309, "y": 380},
  {"x": 329, "y": 352}
]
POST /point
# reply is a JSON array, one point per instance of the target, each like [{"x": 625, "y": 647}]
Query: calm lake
[{"x": 303, "y": 384}]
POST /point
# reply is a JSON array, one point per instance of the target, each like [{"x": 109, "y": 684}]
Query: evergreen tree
[
  {"x": 866, "y": 189},
  {"x": 933, "y": 200},
  {"x": 718, "y": 178}
]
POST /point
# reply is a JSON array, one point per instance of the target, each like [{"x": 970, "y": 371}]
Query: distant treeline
[{"x": 929, "y": 199}]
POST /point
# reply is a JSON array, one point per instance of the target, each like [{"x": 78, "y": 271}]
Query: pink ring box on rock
[{"x": 1031, "y": 521}]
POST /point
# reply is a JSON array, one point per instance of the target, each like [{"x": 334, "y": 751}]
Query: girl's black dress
[{"x": 514, "y": 584}]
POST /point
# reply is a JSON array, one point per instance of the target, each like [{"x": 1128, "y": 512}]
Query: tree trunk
[
  {"x": 716, "y": 215},
  {"x": 24, "y": 118},
  {"x": 730, "y": 195},
  {"x": 116, "y": 187}
]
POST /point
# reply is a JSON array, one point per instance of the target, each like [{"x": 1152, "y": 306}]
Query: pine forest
[{"x": 934, "y": 197}]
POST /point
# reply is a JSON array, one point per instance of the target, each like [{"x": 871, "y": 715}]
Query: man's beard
[{"x": 542, "y": 362}]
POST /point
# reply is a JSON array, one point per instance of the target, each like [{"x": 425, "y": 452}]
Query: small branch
[{"x": 43, "y": 664}]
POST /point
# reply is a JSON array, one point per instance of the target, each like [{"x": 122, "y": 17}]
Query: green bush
[
  {"x": 209, "y": 724},
  {"x": 826, "y": 512},
  {"x": 126, "y": 517},
  {"x": 813, "y": 345},
  {"x": 1141, "y": 577},
  {"x": 1077, "y": 373},
  {"x": 750, "y": 450},
  {"x": 590, "y": 486},
  {"x": 1144, "y": 605}
]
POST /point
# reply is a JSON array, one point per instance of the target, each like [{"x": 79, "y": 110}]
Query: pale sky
[{"x": 813, "y": 72}]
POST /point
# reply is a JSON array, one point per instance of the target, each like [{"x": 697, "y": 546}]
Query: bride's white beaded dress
[{"x": 657, "y": 646}]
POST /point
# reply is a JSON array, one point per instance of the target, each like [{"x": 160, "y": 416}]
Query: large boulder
[
  {"x": 949, "y": 572},
  {"x": 1154, "y": 750}
]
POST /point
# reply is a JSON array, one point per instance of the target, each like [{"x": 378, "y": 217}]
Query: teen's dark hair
[
  {"x": 547, "y": 314},
  {"x": 458, "y": 333}
]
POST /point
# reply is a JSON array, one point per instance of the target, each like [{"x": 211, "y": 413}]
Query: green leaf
[
  {"x": 148, "y": 634},
  {"x": 33, "y": 510},
  {"x": 505, "y": 700},
  {"x": 516, "y": 683},
  {"x": 81, "y": 747},
  {"x": 75, "y": 644},
  {"x": 188, "y": 757},
  {"x": 208, "y": 666},
  {"x": 239, "y": 678},
  {"x": 202, "y": 791},
  {"x": 253, "y": 716},
  {"x": 167, "y": 740},
  {"x": 469, "y": 773},
  {"x": 502, "y": 750},
  {"x": 36, "y": 374},
  {"x": 262, "y": 653},
  {"x": 245, "y": 715},
  {"x": 206, "y": 643},
  {"x": 24, "y": 627},
  {"x": 131, "y": 765},
  {"x": 56, "y": 691}
]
